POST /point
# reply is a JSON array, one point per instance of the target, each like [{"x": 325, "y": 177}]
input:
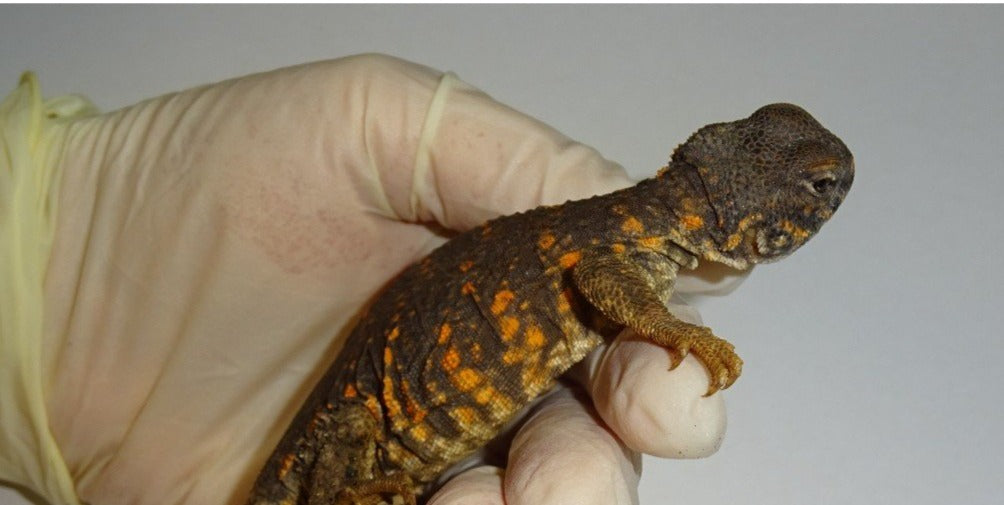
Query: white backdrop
[{"x": 873, "y": 356}]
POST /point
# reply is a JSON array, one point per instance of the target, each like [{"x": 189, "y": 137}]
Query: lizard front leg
[{"x": 622, "y": 291}]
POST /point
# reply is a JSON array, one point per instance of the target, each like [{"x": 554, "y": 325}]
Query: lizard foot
[
  {"x": 718, "y": 355},
  {"x": 379, "y": 491}
]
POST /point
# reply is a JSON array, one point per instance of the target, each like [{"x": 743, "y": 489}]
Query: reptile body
[{"x": 464, "y": 339}]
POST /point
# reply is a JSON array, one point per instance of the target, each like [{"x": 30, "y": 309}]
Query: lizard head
[{"x": 766, "y": 184}]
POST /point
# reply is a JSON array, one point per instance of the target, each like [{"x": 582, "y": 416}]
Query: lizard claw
[
  {"x": 676, "y": 355},
  {"x": 720, "y": 358},
  {"x": 718, "y": 355}
]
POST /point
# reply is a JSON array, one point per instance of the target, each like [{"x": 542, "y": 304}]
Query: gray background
[{"x": 873, "y": 356}]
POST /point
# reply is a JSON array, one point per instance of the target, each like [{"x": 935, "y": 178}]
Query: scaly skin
[{"x": 464, "y": 339}]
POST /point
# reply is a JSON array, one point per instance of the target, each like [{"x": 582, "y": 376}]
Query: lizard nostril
[
  {"x": 778, "y": 238},
  {"x": 771, "y": 242}
]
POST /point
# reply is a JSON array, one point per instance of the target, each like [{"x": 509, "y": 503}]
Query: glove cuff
[{"x": 31, "y": 134}]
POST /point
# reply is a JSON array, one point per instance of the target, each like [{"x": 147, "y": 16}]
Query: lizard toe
[{"x": 720, "y": 359}]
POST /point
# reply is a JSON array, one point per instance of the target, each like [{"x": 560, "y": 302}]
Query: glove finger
[
  {"x": 478, "y": 486},
  {"x": 653, "y": 410},
  {"x": 417, "y": 145},
  {"x": 479, "y": 158},
  {"x": 563, "y": 454}
]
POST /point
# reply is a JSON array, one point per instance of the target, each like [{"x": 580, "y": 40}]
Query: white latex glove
[{"x": 213, "y": 246}]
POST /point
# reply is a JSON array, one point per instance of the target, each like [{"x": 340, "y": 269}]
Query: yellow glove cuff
[{"x": 31, "y": 135}]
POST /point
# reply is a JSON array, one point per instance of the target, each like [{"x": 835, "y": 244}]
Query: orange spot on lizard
[
  {"x": 286, "y": 465},
  {"x": 501, "y": 302},
  {"x": 534, "y": 337},
  {"x": 795, "y": 231},
  {"x": 467, "y": 288},
  {"x": 444, "y": 333},
  {"x": 415, "y": 411},
  {"x": 350, "y": 391},
  {"x": 569, "y": 259},
  {"x": 419, "y": 432},
  {"x": 632, "y": 225},
  {"x": 513, "y": 355},
  {"x": 467, "y": 379},
  {"x": 565, "y": 300},
  {"x": 393, "y": 405},
  {"x": 485, "y": 395},
  {"x": 450, "y": 360},
  {"x": 546, "y": 241},
  {"x": 509, "y": 326},
  {"x": 733, "y": 241},
  {"x": 692, "y": 222},
  {"x": 651, "y": 242}
]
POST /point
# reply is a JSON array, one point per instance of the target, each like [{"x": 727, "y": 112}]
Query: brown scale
[{"x": 463, "y": 340}]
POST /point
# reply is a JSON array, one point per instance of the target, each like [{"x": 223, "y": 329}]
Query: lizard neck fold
[{"x": 693, "y": 221}]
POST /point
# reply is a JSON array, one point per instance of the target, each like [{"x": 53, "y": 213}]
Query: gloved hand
[{"x": 213, "y": 246}]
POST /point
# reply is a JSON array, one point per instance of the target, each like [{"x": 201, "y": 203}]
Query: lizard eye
[{"x": 822, "y": 185}]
